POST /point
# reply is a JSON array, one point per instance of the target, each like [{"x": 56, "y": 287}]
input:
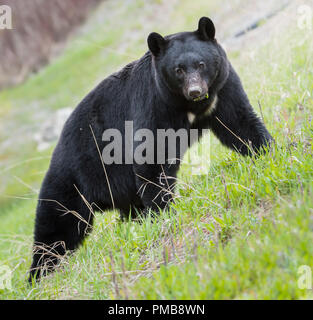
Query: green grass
[{"x": 239, "y": 232}]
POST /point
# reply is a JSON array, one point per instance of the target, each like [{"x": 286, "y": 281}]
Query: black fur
[{"x": 153, "y": 93}]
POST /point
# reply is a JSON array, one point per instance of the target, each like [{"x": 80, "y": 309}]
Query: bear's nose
[{"x": 194, "y": 92}]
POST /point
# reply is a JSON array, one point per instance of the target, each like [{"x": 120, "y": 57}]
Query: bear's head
[{"x": 191, "y": 64}]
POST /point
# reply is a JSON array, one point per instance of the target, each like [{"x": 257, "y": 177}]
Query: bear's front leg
[
  {"x": 234, "y": 121},
  {"x": 155, "y": 185}
]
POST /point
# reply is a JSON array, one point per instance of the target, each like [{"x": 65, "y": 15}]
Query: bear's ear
[
  {"x": 156, "y": 43},
  {"x": 206, "y": 29}
]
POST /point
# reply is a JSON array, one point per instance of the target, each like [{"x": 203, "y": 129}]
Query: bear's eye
[
  {"x": 179, "y": 71},
  {"x": 201, "y": 65}
]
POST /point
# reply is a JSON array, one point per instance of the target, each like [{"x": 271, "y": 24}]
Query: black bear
[{"x": 184, "y": 81}]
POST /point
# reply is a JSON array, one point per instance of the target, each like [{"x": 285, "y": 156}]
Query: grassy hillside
[{"x": 241, "y": 231}]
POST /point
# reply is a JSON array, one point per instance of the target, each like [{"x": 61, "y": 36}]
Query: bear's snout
[
  {"x": 195, "y": 88},
  {"x": 194, "y": 92}
]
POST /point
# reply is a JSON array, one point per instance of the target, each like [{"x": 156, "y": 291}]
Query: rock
[{"x": 51, "y": 129}]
